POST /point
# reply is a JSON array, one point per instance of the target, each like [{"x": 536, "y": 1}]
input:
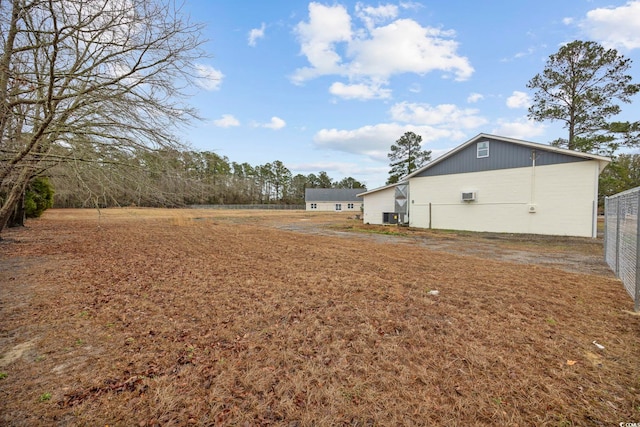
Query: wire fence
[
  {"x": 254, "y": 206},
  {"x": 621, "y": 240}
]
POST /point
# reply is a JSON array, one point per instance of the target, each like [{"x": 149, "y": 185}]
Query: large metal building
[{"x": 497, "y": 184}]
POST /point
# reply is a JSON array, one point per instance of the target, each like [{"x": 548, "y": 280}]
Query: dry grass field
[{"x": 143, "y": 317}]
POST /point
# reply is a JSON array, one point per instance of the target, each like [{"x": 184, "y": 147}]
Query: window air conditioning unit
[{"x": 469, "y": 197}]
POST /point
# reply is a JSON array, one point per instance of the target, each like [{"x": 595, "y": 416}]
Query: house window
[
  {"x": 483, "y": 149},
  {"x": 338, "y": 206},
  {"x": 349, "y": 205},
  {"x": 314, "y": 205}
]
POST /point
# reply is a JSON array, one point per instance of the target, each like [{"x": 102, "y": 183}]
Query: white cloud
[
  {"x": 442, "y": 122},
  {"x": 567, "y": 21},
  {"x": 372, "y": 15},
  {"x": 522, "y": 128},
  {"x": 255, "y": 34},
  {"x": 121, "y": 70},
  {"x": 227, "y": 121},
  {"x": 444, "y": 115},
  {"x": 404, "y": 46},
  {"x": 359, "y": 91},
  {"x": 411, "y": 5},
  {"x": 617, "y": 27},
  {"x": 474, "y": 97},
  {"x": 375, "y": 140},
  {"x": 208, "y": 77},
  {"x": 523, "y": 53},
  {"x": 440, "y": 151},
  {"x": 372, "y": 54},
  {"x": 327, "y": 26},
  {"x": 518, "y": 100},
  {"x": 276, "y": 123}
]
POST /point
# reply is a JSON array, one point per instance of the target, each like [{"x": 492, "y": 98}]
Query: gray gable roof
[
  {"x": 516, "y": 153},
  {"x": 332, "y": 194}
]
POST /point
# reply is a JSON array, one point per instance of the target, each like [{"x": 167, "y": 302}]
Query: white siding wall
[
  {"x": 377, "y": 203},
  {"x": 331, "y": 207},
  {"x": 564, "y": 197}
]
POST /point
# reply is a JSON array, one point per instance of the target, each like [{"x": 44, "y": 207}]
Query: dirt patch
[
  {"x": 167, "y": 317},
  {"x": 16, "y": 352},
  {"x": 575, "y": 254}
]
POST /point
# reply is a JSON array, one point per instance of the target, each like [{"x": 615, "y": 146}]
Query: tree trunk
[
  {"x": 14, "y": 196},
  {"x": 18, "y": 216}
]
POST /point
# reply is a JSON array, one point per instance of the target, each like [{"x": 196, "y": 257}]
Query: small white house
[
  {"x": 333, "y": 199},
  {"x": 497, "y": 184}
]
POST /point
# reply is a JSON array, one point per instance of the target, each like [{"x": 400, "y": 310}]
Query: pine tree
[
  {"x": 406, "y": 156},
  {"x": 579, "y": 87}
]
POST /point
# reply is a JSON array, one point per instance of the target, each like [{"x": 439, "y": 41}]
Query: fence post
[
  {"x": 618, "y": 237},
  {"x": 606, "y": 228},
  {"x": 636, "y": 296}
]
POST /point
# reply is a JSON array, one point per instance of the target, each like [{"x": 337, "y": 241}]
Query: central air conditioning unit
[{"x": 468, "y": 196}]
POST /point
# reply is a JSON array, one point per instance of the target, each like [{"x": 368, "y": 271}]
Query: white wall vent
[{"x": 468, "y": 197}]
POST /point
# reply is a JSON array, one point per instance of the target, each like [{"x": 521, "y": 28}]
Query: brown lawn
[{"x": 142, "y": 317}]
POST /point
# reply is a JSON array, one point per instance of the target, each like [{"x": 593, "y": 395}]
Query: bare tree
[{"x": 79, "y": 78}]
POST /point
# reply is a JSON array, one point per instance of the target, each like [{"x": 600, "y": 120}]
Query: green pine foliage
[
  {"x": 622, "y": 174},
  {"x": 406, "y": 155},
  {"x": 580, "y": 87}
]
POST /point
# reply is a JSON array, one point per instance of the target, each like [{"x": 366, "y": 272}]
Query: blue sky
[{"x": 331, "y": 85}]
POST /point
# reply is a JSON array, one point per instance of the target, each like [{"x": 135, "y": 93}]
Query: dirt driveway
[{"x": 575, "y": 254}]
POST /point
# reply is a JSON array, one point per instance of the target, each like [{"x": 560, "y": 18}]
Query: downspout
[
  {"x": 532, "y": 197},
  {"x": 408, "y": 204},
  {"x": 594, "y": 214}
]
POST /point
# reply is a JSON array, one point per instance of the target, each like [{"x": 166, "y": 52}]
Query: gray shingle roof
[{"x": 332, "y": 194}]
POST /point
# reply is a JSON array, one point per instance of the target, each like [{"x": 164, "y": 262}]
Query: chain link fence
[
  {"x": 254, "y": 206},
  {"x": 621, "y": 240}
]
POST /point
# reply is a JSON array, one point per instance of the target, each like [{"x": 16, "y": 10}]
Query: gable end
[{"x": 502, "y": 155}]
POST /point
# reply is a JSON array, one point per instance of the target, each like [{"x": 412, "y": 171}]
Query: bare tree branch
[{"x": 78, "y": 77}]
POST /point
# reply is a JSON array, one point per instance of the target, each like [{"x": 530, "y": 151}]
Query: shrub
[{"x": 38, "y": 197}]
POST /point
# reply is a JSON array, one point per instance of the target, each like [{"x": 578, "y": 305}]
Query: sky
[{"x": 330, "y": 86}]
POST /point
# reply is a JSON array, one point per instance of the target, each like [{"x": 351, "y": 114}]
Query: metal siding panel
[
  {"x": 401, "y": 198},
  {"x": 502, "y": 155}
]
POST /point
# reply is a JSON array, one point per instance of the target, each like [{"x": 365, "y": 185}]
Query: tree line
[{"x": 174, "y": 178}]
